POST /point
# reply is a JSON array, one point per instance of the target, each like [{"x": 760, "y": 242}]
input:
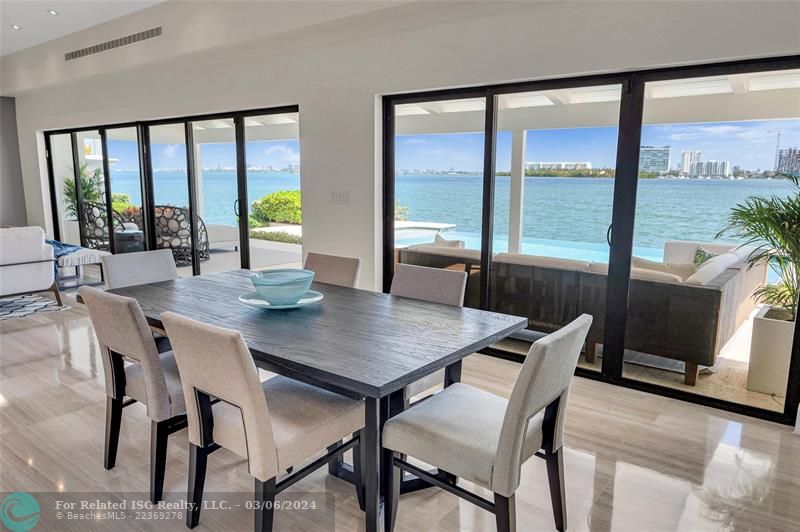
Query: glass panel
[
  {"x": 217, "y": 192},
  {"x": 555, "y": 161},
  {"x": 94, "y": 217},
  {"x": 439, "y": 186},
  {"x": 171, "y": 196},
  {"x": 713, "y": 188},
  {"x": 126, "y": 189},
  {"x": 273, "y": 190},
  {"x": 66, "y": 196}
]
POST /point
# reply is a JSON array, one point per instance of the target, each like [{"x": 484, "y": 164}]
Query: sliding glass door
[
  {"x": 555, "y": 165},
  {"x": 656, "y": 201},
  {"x": 65, "y": 188},
  {"x": 197, "y": 186},
  {"x": 125, "y": 178},
  {"x": 216, "y": 193},
  {"x": 274, "y": 205},
  {"x": 438, "y": 188},
  {"x": 172, "y": 211},
  {"x": 713, "y": 285}
]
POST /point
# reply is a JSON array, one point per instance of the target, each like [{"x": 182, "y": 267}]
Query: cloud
[
  {"x": 283, "y": 154},
  {"x": 170, "y": 151},
  {"x": 720, "y": 131}
]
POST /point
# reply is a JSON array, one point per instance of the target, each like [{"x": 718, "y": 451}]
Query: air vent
[{"x": 116, "y": 43}]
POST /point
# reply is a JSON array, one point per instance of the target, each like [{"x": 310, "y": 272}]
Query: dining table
[{"x": 358, "y": 343}]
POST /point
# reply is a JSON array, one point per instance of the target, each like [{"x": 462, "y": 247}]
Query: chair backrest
[
  {"x": 429, "y": 284},
  {"x": 545, "y": 377},
  {"x": 141, "y": 267},
  {"x": 217, "y": 362},
  {"x": 22, "y": 244},
  {"x": 121, "y": 328},
  {"x": 332, "y": 269}
]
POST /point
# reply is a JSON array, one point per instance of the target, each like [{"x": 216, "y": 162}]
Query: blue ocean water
[
  {"x": 569, "y": 217},
  {"x": 219, "y": 190},
  {"x": 564, "y": 217}
]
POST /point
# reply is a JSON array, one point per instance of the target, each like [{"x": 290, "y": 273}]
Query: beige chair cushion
[
  {"x": 135, "y": 386},
  {"x": 458, "y": 431},
  {"x": 305, "y": 420}
]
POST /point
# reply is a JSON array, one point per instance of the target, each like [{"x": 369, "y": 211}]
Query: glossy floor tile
[{"x": 634, "y": 461}]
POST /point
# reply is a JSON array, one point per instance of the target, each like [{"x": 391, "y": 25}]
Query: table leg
[
  {"x": 452, "y": 373},
  {"x": 371, "y": 450}
]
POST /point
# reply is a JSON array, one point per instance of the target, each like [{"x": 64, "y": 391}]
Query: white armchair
[{"x": 26, "y": 262}]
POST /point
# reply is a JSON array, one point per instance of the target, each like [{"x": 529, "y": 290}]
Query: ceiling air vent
[{"x": 116, "y": 43}]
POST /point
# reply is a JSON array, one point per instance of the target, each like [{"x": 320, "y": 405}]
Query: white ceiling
[{"x": 39, "y": 26}]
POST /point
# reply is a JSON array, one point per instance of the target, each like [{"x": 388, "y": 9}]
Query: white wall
[
  {"x": 12, "y": 204},
  {"x": 335, "y": 71}
]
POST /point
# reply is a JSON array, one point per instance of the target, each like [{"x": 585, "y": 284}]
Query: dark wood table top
[{"x": 366, "y": 343}]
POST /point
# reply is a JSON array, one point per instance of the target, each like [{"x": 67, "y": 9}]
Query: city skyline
[{"x": 749, "y": 145}]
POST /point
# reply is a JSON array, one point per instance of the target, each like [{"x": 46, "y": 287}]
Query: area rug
[{"x": 20, "y": 306}]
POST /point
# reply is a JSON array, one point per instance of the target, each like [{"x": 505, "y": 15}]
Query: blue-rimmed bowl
[{"x": 282, "y": 287}]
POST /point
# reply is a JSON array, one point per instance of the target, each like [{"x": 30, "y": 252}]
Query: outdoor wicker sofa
[{"x": 688, "y": 320}]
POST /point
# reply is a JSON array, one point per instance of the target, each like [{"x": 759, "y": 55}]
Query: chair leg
[
  {"x": 336, "y": 461},
  {"x": 555, "y": 476},
  {"x": 57, "y": 293},
  {"x": 505, "y": 513},
  {"x": 591, "y": 352},
  {"x": 264, "y": 505},
  {"x": 159, "y": 435},
  {"x": 391, "y": 481},
  {"x": 113, "y": 422},
  {"x": 198, "y": 460},
  {"x": 358, "y": 473}
]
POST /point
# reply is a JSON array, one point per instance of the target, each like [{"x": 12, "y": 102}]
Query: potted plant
[
  {"x": 772, "y": 226},
  {"x": 91, "y": 189}
]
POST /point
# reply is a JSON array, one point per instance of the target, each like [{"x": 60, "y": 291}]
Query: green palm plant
[
  {"x": 772, "y": 225},
  {"x": 91, "y": 188}
]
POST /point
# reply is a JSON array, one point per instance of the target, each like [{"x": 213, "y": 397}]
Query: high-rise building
[
  {"x": 562, "y": 165},
  {"x": 687, "y": 158},
  {"x": 789, "y": 161},
  {"x": 654, "y": 159},
  {"x": 710, "y": 169}
]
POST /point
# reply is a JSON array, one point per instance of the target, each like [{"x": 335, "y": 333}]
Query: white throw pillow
[
  {"x": 439, "y": 240},
  {"x": 712, "y": 268}
]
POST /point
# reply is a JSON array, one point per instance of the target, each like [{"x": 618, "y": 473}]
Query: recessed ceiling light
[
  {"x": 52, "y": 11},
  {"x": 16, "y": 27}
]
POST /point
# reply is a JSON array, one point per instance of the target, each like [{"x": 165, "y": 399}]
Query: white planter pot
[
  {"x": 72, "y": 232},
  {"x": 770, "y": 352}
]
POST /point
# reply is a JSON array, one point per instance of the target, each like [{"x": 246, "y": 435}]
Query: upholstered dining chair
[
  {"x": 434, "y": 285},
  {"x": 151, "y": 379},
  {"x": 485, "y": 439},
  {"x": 332, "y": 269},
  {"x": 276, "y": 425},
  {"x": 141, "y": 267}
]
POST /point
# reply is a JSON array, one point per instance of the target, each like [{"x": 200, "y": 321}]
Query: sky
[
  {"x": 750, "y": 145},
  {"x": 278, "y": 153}
]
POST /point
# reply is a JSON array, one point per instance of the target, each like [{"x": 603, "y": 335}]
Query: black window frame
[
  {"x": 146, "y": 172},
  {"x": 623, "y": 215}
]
